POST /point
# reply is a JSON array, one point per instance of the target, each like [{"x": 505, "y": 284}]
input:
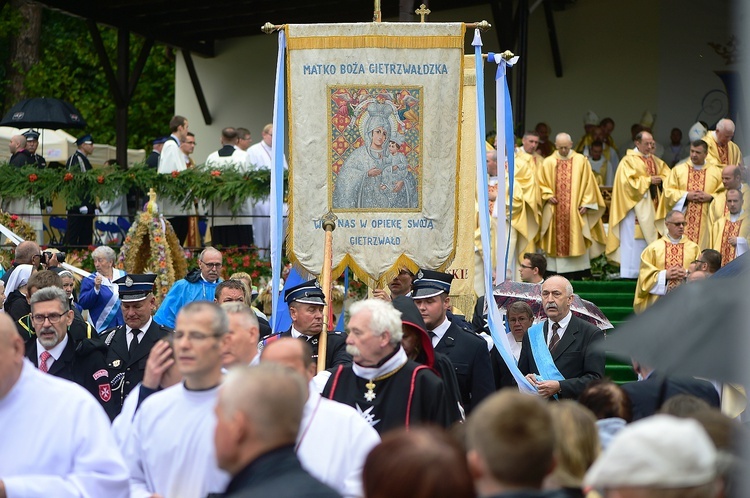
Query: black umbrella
[
  {"x": 700, "y": 329},
  {"x": 42, "y": 112}
]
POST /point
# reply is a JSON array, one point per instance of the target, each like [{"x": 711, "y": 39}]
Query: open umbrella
[
  {"x": 510, "y": 291},
  {"x": 700, "y": 329},
  {"x": 43, "y": 112}
]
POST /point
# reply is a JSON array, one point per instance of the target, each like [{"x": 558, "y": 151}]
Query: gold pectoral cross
[{"x": 422, "y": 11}]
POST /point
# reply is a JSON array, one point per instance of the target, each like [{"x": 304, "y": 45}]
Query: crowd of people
[
  {"x": 196, "y": 397},
  {"x": 662, "y": 217}
]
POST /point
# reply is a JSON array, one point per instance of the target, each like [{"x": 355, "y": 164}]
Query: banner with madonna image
[{"x": 374, "y": 116}]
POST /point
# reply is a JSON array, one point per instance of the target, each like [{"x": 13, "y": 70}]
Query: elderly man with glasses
[
  {"x": 664, "y": 263},
  {"x": 199, "y": 285},
  {"x": 54, "y": 351}
]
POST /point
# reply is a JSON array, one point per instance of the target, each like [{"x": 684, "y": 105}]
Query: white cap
[
  {"x": 660, "y": 451},
  {"x": 590, "y": 118},
  {"x": 697, "y": 132},
  {"x": 647, "y": 119}
]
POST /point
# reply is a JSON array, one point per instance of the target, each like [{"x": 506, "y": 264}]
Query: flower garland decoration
[
  {"x": 151, "y": 245},
  {"x": 17, "y": 225}
]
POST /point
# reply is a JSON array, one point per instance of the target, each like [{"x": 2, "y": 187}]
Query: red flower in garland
[
  {"x": 14, "y": 217},
  {"x": 68, "y": 177},
  {"x": 33, "y": 177},
  {"x": 175, "y": 174},
  {"x": 216, "y": 172},
  {"x": 100, "y": 179}
]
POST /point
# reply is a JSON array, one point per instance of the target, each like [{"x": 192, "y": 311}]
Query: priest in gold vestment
[
  {"x": 527, "y": 164},
  {"x": 571, "y": 232},
  {"x": 730, "y": 232},
  {"x": 636, "y": 195},
  {"x": 721, "y": 150},
  {"x": 731, "y": 177},
  {"x": 664, "y": 263},
  {"x": 690, "y": 188}
]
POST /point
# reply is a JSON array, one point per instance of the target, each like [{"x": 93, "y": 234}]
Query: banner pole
[{"x": 329, "y": 225}]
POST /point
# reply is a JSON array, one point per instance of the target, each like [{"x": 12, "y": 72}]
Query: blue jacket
[{"x": 181, "y": 293}]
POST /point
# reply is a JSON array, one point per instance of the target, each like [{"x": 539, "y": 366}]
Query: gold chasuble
[
  {"x": 683, "y": 179},
  {"x": 530, "y": 213},
  {"x": 723, "y": 229},
  {"x": 565, "y": 232},
  {"x": 658, "y": 256},
  {"x": 727, "y": 155},
  {"x": 718, "y": 207},
  {"x": 632, "y": 190}
]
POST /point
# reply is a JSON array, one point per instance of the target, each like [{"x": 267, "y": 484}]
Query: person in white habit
[
  {"x": 170, "y": 450},
  {"x": 333, "y": 440},
  {"x": 70, "y": 451},
  {"x": 260, "y": 156}
]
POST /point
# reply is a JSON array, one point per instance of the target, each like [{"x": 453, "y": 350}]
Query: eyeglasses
[
  {"x": 213, "y": 266},
  {"x": 526, "y": 267},
  {"x": 52, "y": 317},
  {"x": 190, "y": 143},
  {"x": 193, "y": 336},
  {"x": 678, "y": 224}
]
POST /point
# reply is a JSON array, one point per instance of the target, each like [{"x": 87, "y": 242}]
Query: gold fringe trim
[{"x": 374, "y": 41}]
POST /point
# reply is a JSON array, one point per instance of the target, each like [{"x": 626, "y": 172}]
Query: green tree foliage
[{"x": 70, "y": 69}]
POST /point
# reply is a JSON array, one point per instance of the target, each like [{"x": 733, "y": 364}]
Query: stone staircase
[{"x": 615, "y": 299}]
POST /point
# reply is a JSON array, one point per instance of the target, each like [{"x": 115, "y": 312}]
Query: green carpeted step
[
  {"x": 619, "y": 373},
  {"x": 618, "y": 313},
  {"x": 607, "y": 298},
  {"x": 622, "y": 286}
]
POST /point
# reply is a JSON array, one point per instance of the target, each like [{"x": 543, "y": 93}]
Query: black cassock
[{"x": 411, "y": 396}]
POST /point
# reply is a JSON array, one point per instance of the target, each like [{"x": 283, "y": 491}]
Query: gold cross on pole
[{"x": 422, "y": 11}]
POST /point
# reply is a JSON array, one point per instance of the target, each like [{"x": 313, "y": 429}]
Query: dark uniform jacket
[
  {"x": 471, "y": 360},
  {"x": 335, "y": 351},
  {"x": 152, "y": 161},
  {"x": 21, "y": 158},
  {"x": 127, "y": 372},
  {"x": 647, "y": 396},
  {"x": 277, "y": 474},
  {"x": 74, "y": 164},
  {"x": 82, "y": 362}
]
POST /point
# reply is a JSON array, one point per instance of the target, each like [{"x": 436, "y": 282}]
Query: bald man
[
  {"x": 731, "y": 178},
  {"x": 65, "y": 457},
  {"x": 571, "y": 230},
  {"x": 333, "y": 440},
  {"x": 19, "y": 156}
]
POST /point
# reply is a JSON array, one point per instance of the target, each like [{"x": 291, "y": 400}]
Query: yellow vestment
[
  {"x": 683, "y": 179},
  {"x": 658, "y": 256},
  {"x": 730, "y": 154},
  {"x": 719, "y": 204},
  {"x": 722, "y": 230},
  {"x": 565, "y": 232},
  {"x": 632, "y": 189},
  {"x": 526, "y": 169}
]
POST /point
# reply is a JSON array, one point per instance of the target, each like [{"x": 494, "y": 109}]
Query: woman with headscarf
[
  {"x": 16, "y": 304},
  {"x": 99, "y": 293}
]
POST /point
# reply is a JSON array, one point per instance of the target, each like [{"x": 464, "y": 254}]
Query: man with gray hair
[
  {"x": 386, "y": 387},
  {"x": 659, "y": 457},
  {"x": 179, "y": 420},
  {"x": 240, "y": 345},
  {"x": 258, "y": 416},
  {"x": 722, "y": 151},
  {"x": 54, "y": 351},
  {"x": 198, "y": 285},
  {"x": 571, "y": 232}
]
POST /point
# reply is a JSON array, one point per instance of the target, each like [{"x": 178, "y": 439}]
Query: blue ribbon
[
  {"x": 542, "y": 357},
  {"x": 277, "y": 176},
  {"x": 340, "y": 324},
  {"x": 494, "y": 319}
]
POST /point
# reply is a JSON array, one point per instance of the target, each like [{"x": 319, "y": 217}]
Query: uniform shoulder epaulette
[
  {"x": 268, "y": 339},
  {"x": 336, "y": 332}
]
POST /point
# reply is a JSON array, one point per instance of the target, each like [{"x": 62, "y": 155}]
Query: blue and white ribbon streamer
[{"x": 277, "y": 175}]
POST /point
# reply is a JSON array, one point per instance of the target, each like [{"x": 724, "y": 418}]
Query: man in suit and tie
[
  {"x": 306, "y": 302},
  {"x": 130, "y": 344},
  {"x": 466, "y": 351},
  {"x": 571, "y": 343}
]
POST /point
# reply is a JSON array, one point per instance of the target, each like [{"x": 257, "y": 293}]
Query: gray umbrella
[{"x": 700, "y": 329}]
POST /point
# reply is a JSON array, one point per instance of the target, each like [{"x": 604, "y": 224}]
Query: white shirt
[
  {"x": 74, "y": 456},
  {"x": 563, "y": 327},
  {"x": 170, "y": 449},
  {"x": 55, "y": 352},
  {"x": 440, "y": 331},
  {"x": 260, "y": 156},
  {"x": 333, "y": 443},
  {"x": 129, "y": 332}
]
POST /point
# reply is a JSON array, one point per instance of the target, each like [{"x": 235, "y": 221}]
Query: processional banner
[{"x": 375, "y": 123}]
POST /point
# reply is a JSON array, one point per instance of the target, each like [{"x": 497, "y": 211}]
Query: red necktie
[
  {"x": 555, "y": 337},
  {"x": 43, "y": 361}
]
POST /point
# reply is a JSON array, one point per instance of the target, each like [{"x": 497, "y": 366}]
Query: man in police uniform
[
  {"x": 80, "y": 217},
  {"x": 32, "y": 143},
  {"x": 130, "y": 344},
  {"x": 306, "y": 303},
  {"x": 466, "y": 350}
]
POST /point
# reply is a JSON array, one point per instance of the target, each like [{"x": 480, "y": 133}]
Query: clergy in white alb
[
  {"x": 333, "y": 440},
  {"x": 66, "y": 449},
  {"x": 170, "y": 450},
  {"x": 636, "y": 195}
]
